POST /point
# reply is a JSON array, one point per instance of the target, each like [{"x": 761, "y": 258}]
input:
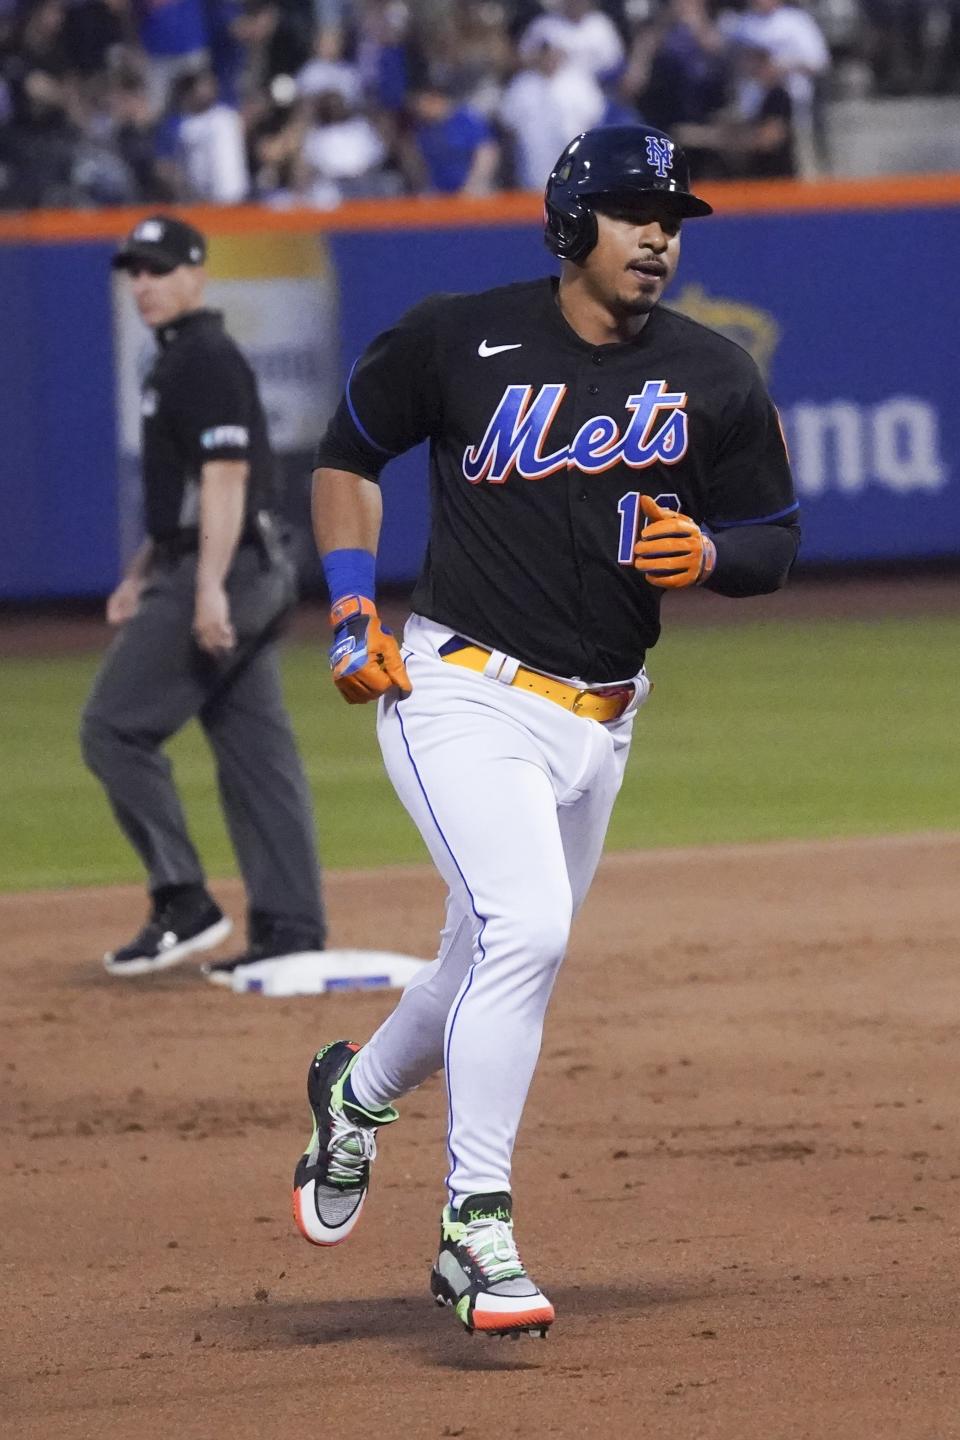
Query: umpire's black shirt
[
  {"x": 540, "y": 446},
  {"x": 199, "y": 403}
]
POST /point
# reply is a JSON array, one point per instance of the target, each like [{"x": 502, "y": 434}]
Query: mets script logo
[
  {"x": 517, "y": 437},
  {"x": 660, "y": 155}
]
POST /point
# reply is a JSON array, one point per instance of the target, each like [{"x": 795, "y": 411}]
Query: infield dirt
[{"x": 737, "y": 1178}]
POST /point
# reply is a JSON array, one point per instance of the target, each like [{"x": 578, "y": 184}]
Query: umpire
[{"x": 198, "y": 612}]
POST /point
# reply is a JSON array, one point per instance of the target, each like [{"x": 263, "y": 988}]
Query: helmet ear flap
[{"x": 570, "y": 234}]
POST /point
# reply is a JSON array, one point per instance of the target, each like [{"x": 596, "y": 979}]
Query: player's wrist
[
  {"x": 351, "y": 607},
  {"x": 350, "y": 573},
  {"x": 708, "y": 560}
]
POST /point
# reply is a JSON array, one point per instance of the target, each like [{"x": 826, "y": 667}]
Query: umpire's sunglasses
[{"x": 133, "y": 268}]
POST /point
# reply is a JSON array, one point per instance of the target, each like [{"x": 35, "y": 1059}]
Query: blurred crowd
[{"x": 310, "y": 102}]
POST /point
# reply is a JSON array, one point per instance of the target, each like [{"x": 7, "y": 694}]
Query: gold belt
[{"x": 603, "y": 703}]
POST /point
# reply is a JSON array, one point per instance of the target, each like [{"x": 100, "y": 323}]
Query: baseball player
[
  {"x": 582, "y": 440},
  {"x": 198, "y": 613}
]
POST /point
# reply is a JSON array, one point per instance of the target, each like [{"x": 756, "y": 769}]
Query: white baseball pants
[{"x": 512, "y": 795}]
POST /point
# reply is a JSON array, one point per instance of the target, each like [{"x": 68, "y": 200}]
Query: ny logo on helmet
[{"x": 660, "y": 155}]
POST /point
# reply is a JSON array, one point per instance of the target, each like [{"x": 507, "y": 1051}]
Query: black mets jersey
[{"x": 541, "y": 445}]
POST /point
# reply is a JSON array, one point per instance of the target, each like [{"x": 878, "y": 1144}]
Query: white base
[
  {"x": 227, "y": 978},
  {"x": 323, "y": 972}
]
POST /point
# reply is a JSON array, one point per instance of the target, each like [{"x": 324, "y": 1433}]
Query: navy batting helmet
[{"x": 613, "y": 160}]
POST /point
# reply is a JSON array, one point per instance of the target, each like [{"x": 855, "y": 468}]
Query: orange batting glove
[
  {"x": 364, "y": 657},
  {"x": 672, "y": 550}
]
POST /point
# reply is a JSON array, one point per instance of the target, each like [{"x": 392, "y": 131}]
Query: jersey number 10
[{"x": 628, "y": 507}]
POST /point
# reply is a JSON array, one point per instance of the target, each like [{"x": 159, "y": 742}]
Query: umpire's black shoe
[
  {"x": 177, "y": 928},
  {"x": 275, "y": 942}
]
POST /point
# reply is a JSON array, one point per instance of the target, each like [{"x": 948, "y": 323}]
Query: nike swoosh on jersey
[{"x": 484, "y": 349}]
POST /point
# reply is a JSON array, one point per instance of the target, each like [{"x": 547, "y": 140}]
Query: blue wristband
[{"x": 349, "y": 572}]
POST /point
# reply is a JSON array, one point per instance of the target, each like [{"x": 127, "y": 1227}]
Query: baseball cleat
[
  {"x": 175, "y": 930},
  {"x": 333, "y": 1175},
  {"x": 480, "y": 1274}
]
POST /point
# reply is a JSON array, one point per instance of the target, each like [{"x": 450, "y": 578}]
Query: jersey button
[
  {"x": 598, "y": 359},
  {"x": 593, "y": 389}
]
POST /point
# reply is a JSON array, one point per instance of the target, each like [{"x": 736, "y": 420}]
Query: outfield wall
[{"x": 845, "y": 292}]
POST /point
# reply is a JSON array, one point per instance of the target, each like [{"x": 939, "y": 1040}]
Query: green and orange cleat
[{"x": 479, "y": 1273}]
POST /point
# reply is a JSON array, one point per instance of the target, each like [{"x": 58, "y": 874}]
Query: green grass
[{"x": 753, "y": 732}]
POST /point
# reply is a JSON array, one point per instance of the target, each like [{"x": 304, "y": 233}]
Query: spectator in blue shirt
[
  {"x": 450, "y": 148},
  {"x": 385, "y": 54},
  {"x": 175, "y": 36},
  {"x": 172, "y": 27}
]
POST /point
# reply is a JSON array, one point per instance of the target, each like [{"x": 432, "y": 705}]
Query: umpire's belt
[
  {"x": 603, "y": 703},
  {"x": 260, "y": 529}
]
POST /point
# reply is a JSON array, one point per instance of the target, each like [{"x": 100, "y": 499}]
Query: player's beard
[
  {"x": 640, "y": 300},
  {"x": 633, "y": 305},
  {"x": 641, "y": 305}
]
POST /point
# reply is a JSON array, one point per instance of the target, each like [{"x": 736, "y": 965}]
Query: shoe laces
[
  {"x": 491, "y": 1245},
  {"x": 350, "y": 1148}
]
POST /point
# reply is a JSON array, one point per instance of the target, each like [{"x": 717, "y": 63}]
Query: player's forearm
[
  {"x": 753, "y": 559},
  {"x": 223, "y": 495},
  {"x": 347, "y": 511}
]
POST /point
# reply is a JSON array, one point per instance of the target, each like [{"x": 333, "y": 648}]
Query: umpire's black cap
[
  {"x": 612, "y": 160},
  {"x": 163, "y": 243}
]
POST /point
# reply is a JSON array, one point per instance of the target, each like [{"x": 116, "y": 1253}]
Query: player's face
[
  {"x": 636, "y": 254},
  {"x": 160, "y": 297}
]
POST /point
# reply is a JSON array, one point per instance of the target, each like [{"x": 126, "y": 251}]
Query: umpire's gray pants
[{"x": 154, "y": 679}]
